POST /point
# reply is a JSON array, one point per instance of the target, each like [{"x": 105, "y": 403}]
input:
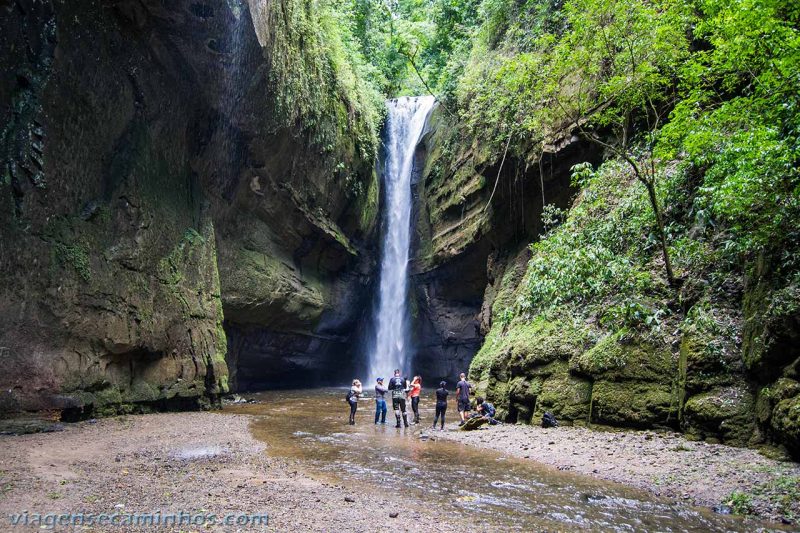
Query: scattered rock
[
  {"x": 349, "y": 499},
  {"x": 394, "y": 515},
  {"x": 708, "y": 472}
]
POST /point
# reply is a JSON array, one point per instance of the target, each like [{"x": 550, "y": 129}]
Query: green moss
[
  {"x": 75, "y": 255},
  {"x": 483, "y": 360},
  {"x": 620, "y": 356},
  {"x": 708, "y": 351},
  {"x": 633, "y": 404},
  {"x": 265, "y": 288},
  {"x": 564, "y": 395},
  {"x": 172, "y": 271},
  {"x": 316, "y": 80},
  {"x": 784, "y": 389},
  {"x": 725, "y": 413},
  {"x": 369, "y": 206},
  {"x": 526, "y": 345},
  {"x": 108, "y": 395},
  {"x": 763, "y": 405},
  {"x": 525, "y": 370},
  {"x": 786, "y": 422}
]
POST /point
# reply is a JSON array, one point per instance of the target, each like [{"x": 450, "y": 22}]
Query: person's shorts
[{"x": 463, "y": 405}]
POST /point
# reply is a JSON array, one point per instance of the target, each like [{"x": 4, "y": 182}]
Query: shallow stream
[{"x": 501, "y": 492}]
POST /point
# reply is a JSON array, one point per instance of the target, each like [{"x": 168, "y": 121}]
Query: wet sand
[
  {"x": 212, "y": 463},
  {"x": 664, "y": 463},
  {"x": 192, "y": 462}
]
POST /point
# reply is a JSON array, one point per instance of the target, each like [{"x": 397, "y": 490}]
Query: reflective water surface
[{"x": 501, "y": 492}]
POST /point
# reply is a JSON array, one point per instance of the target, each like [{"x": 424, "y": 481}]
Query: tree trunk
[{"x": 651, "y": 193}]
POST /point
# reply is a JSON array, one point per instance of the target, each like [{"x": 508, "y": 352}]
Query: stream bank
[
  {"x": 293, "y": 456},
  {"x": 663, "y": 463},
  {"x": 198, "y": 462}
]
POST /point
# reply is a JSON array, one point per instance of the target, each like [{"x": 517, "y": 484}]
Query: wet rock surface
[
  {"x": 149, "y": 187},
  {"x": 473, "y": 220}
]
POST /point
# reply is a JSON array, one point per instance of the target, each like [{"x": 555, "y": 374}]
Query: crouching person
[{"x": 485, "y": 410}]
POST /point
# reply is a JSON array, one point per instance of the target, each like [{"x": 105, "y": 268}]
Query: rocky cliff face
[
  {"x": 474, "y": 219},
  {"x": 722, "y": 373},
  {"x": 723, "y": 365},
  {"x": 150, "y": 186}
]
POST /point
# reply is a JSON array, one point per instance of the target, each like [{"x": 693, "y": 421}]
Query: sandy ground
[
  {"x": 666, "y": 464},
  {"x": 208, "y": 463},
  {"x": 191, "y": 462}
]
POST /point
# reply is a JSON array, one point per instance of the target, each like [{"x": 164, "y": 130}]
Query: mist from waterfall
[{"x": 405, "y": 124}]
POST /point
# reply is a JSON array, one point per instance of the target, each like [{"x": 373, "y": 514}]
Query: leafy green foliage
[
  {"x": 697, "y": 99},
  {"x": 413, "y": 45},
  {"x": 741, "y": 503},
  {"x": 596, "y": 261},
  {"x": 737, "y": 119},
  {"x": 319, "y": 79}
]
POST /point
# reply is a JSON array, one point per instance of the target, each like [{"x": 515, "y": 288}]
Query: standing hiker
[
  {"x": 441, "y": 403},
  {"x": 352, "y": 398},
  {"x": 398, "y": 387},
  {"x": 462, "y": 397},
  {"x": 380, "y": 402},
  {"x": 413, "y": 393}
]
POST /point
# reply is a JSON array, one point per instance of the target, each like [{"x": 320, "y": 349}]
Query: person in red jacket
[{"x": 413, "y": 393}]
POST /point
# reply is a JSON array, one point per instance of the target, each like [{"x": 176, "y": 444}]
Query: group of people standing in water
[{"x": 402, "y": 392}]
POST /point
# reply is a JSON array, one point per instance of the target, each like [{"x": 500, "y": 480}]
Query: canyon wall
[
  {"x": 153, "y": 185},
  {"x": 474, "y": 219},
  {"x": 721, "y": 364}
]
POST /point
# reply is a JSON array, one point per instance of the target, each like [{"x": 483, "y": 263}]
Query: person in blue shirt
[
  {"x": 380, "y": 402},
  {"x": 485, "y": 410}
]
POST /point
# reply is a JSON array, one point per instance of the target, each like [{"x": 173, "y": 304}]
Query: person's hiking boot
[
  {"x": 461, "y": 423},
  {"x": 405, "y": 420}
]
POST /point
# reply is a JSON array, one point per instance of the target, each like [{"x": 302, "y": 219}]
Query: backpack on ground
[{"x": 549, "y": 421}]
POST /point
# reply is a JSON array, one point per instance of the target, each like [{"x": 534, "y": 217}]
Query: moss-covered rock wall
[
  {"x": 474, "y": 216},
  {"x": 157, "y": 189},
  {"x": 568, "y": 311},
  {"x": 721, "y": 365}
]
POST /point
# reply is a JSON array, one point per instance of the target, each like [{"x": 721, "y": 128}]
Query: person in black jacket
[
  {"x": 397, "y": 386},
  {"x": 441, "y": 403}
]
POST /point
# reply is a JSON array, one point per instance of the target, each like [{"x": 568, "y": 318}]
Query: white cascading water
[{"x": 405, "y": 124}]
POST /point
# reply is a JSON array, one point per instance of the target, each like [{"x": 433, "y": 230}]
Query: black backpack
[{"x": 549, "y": 421}]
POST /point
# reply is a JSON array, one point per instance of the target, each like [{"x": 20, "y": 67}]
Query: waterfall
[{"x": 404, "y": 127}]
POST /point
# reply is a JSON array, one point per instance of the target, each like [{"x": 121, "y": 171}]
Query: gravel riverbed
[
  {"x": 198, "y": 463},
  {"x": 665, "y": 463},
  {"x": 209, "y": 463}
]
